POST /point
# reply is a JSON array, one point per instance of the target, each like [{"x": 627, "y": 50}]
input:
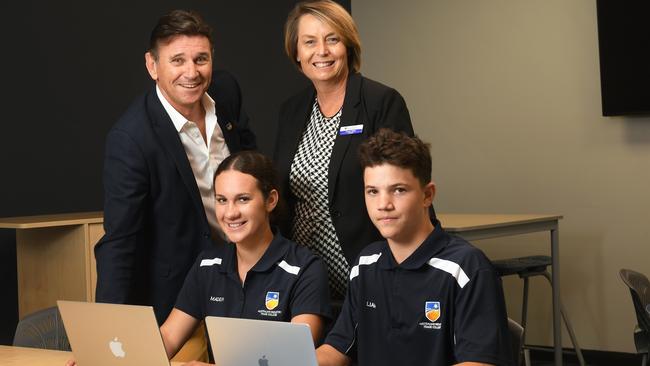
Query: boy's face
[{"x": 396, "y": 201}]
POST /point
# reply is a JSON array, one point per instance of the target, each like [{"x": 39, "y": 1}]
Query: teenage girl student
[{"x": 258, "y": 274}]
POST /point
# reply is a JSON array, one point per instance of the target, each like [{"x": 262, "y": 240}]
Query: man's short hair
[
  {"x": 178, "y": 23},
  {"x": 397, "y": 148}
]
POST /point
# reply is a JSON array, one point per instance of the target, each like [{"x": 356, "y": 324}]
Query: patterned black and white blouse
[{"x": 312, "y": 224}]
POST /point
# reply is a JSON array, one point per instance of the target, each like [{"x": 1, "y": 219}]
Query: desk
[
  {"x": 475, "y": 226},
  {"x": 46, "y": 274},
  {"x": 19, "y": 356},
  {"x": 54, "y": 258},
  {"x": 15, "y": 356}
]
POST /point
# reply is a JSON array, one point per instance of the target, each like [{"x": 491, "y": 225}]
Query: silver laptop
[
  {"x": 111, "y": 334},
  {"x": 245, "y": 342}
]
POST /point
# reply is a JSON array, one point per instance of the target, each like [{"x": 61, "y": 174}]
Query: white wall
[{"x": 508, "y": 93}]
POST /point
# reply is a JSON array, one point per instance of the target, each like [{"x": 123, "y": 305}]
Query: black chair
[
  {"x": 516, "y": 340},
  {"x": 640, "y": 290},
  {"x": 42, "y": 329},
  {"x": 526, "y": 267}
]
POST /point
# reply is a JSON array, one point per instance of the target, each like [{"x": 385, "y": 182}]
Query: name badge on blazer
[{"x": 350, "y": 130}]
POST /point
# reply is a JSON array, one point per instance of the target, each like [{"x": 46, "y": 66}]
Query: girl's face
[{"x": 241, "y": 209}]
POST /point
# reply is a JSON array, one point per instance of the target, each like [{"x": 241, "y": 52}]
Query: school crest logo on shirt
[
  {"x": 432, "y": 310},
  {"x": 272, "y": 300}
]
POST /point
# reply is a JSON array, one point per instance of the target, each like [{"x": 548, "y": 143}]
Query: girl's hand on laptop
[{"x": 71, "y": 362}]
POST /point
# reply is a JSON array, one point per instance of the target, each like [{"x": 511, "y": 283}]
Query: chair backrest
[
  {"x": 516, "y": 340},
  {"x": 42, "y": 329},
  {"x": 640, "y": 291}
]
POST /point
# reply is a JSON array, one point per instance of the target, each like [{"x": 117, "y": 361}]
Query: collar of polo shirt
[
  {"x": 271, "y": 257},
  {"x": 433, "y": 244}
]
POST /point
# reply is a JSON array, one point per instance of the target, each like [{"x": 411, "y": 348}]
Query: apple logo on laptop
[
  {"x": 263, "y": 361},
  {"x": 116, "y": 348}
]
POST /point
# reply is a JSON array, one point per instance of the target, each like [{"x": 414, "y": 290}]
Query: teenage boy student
[{"x": 422, "y": 296}]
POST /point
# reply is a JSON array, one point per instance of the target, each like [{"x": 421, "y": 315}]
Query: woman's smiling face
[{"x": 322, "y": 55}]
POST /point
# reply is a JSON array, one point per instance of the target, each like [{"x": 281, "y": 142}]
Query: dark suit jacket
[
  {"x": 366, "y": 103},
  {"x": 154, "y": 219}
]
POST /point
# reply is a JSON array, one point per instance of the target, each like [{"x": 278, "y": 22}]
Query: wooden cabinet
[{"x": 55, "y": 258}]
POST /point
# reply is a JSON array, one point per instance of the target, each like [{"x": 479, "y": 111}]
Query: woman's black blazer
[{"x": 366, "y": 103}]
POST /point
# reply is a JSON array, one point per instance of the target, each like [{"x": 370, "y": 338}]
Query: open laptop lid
[
  {"x": 246, "y": 342},
  {"x": 112, "y": 334}
]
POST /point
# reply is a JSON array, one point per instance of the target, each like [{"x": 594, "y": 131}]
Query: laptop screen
[
  {"x": 246, "y": 342},
  {"x": 112, "y": 334}
]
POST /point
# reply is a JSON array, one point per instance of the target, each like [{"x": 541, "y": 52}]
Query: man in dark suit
[{"x": 158, "y": 171}]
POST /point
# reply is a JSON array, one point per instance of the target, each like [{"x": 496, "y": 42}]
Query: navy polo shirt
[
  {"x": 287, "y": 281},
  {"x": 442, "y": 305}
]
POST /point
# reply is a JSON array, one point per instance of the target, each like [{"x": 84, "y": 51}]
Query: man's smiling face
[{"x": 182, "y": 70}]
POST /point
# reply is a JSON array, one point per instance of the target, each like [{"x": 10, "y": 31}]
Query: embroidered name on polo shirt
[{"x": 217, "y": 298}]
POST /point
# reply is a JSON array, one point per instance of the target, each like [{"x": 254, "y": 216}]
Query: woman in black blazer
[{"x": 319, "y": 132}]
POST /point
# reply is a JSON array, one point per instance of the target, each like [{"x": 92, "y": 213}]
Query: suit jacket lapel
[
  {"x": 171, "y": 142},
  {"x": 298, "y": 125},
  {"x": 226, "y": 123},
  {"x": 349, "y": 116}
]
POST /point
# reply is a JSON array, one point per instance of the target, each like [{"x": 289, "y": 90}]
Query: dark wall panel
[{"x": 70, "y": 68}]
